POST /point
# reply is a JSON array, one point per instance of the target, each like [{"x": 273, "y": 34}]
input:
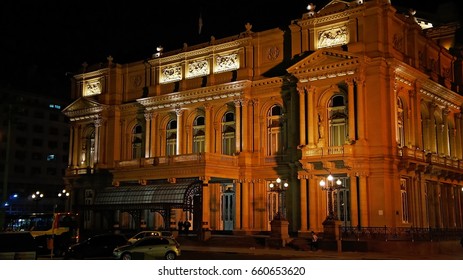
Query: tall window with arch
[
  {"x": 275, "y": 130},
  {"x": 228, "y": 134},
  {"x": 171, "y": 138},
  {"x": 137, "y": 141},
  {"x": 198, "y": 135},
  {"x": 88, "y": 148},
  {"x": 338, "y": 120},
  {"x": 400, "y": 123}
]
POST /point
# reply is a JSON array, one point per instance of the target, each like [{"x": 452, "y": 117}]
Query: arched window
[
  {"x": 274, "y": 130},
  {"x": 400, "y": 123},
  {"x": 198, "y": 135},
  {"x": 228, "y": 134},
  {"x": 88, "y": 149},
  {"x": 137, "y": 142},
  {"x": 171, "y": 138},
  {"x": 338, "y": 120}
]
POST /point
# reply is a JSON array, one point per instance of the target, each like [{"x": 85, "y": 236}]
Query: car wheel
[
  {"x": 170, "y": 256},
  {"x": 126, "y": 256}
]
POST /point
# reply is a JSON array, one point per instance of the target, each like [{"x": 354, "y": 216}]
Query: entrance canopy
[{"x": 161, "y": 196}]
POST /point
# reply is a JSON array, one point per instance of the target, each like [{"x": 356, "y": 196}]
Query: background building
[
  {"x": 34, "y": 146},
  {"x": 357, "y": 89}
]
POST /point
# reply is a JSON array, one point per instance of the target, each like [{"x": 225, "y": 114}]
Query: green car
[{"x": 152, "y": 247}]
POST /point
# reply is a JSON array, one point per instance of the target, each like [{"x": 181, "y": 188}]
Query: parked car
[
  {"x": 18, "y": 245},
  {"x": 98, "y": 246},
  {"x": 147, "y": 233},
  {"x": 153, "y": 247}
]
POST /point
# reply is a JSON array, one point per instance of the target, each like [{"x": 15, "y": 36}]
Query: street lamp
[
  {"x": 279, "y": 187},
  {"x": 329, "y": 186},
  {"x": 64, "y": 195},
  {"x": 36, "y": 197},
  {"x": 279, "y": 235}
]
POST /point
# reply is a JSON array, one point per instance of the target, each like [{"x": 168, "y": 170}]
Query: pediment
[
  {"x": 83, "y": 107},
  {"x": 334, "y": 6},
  {"x": 325, "y": 60}
]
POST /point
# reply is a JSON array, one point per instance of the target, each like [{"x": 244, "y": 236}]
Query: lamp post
[
  {"x": 279, "y": 226},
  {"x": 331, "y": 223},
  {"x": 280, "y": 188},
  {"x": 64, "y": 195},
  {"x": 330, "y": 187},
  {"x": 36, "y": 197}
]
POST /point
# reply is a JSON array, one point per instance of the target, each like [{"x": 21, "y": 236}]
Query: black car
[
  {"x": 98, "y": 246},
  {"x": 18, "y": 245}
]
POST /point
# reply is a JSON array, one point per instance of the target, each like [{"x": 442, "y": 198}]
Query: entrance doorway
[{"x": 228, "y": 210}]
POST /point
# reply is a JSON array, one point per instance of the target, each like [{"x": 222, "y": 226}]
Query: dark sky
[{"x": 42, "y": 40}]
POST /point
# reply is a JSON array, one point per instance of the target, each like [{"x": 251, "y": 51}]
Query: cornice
[
  {"x": 222, "y": 91},
  {"x": 409, "y": 76},
  {"x": 206, "y": 51},
  {"x": 346, "y": 14},
  {"x": 92, "y": 74}
]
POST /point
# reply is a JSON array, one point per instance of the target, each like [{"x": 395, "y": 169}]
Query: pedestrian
[
  {"x": 180, "y": 226},
  {"x": 187, "y": 226},
  {"x": 314, "y": 242}
]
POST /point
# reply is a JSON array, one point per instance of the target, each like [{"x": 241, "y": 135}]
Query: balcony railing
[
  {"x": 427, "y": 157},
  {"x": 172, "y": 160}
]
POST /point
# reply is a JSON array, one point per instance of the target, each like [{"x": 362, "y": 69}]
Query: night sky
[{"x": 42, "y": 40}]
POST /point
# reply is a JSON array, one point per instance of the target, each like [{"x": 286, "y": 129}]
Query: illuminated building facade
[{"x": 355, "y": 89}]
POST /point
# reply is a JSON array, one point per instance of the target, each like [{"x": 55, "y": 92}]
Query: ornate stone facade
[{"x": 379, "y": 111}]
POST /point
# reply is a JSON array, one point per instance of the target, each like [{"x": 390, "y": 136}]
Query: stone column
[
  {"x": 354, "y": 207},
  {"x": 313, "y": 205},
  {"x": 180, "y": 136},
  {"x": 209, "y": 138},
  {"x": 245, "y": 205},
  {"x": 351, "y": 108},
  {"x": 97, "y": 122},
  {"x": 206, "y": 215},
  {"x": 238, "y": 123},
  {"x": 238, "y": 200},
  {"x": 302, "y": 116},
  {"x": 244, "y": 124},
  {"x": 361, "y": 120},
  {"x": 148, "y": 143},
  {"x": 303, "y": 202},
  {"x": 446, "y": 133},
  {"x": 458, "y": 135},
  {"x": 312, "y": 128},
  {"x": 364, "y": 210}
]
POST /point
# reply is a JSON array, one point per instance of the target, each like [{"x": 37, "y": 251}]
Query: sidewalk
[{"x": 256, "y": 245}]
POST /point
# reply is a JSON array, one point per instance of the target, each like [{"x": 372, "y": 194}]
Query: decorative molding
[
  {"x": 334, "y": 36},
  {"x": 197, "y": 68},
  {"x": 226, "y": 62},
  {"x": 223, "y": 91},
  {"x": 170, "y": 73}
]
